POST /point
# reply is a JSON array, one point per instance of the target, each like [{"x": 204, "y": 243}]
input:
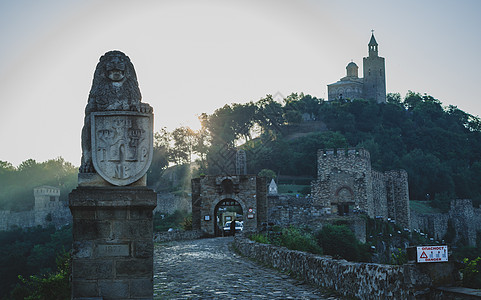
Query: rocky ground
[{"x": 209, "y": 269}]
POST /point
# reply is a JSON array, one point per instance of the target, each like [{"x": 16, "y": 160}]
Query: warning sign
[{"x": 432, "y": 254}]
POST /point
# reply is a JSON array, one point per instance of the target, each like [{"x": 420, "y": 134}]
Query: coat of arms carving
[{"x": 122, "y": 145}]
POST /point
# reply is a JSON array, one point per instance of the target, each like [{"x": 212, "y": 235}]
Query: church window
[
  {"x": 380, "y": 72},
  {"x": 369, "y": 72}
]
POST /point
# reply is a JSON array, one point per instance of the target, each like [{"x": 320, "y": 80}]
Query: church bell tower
[{"x": 374, "y": 87}]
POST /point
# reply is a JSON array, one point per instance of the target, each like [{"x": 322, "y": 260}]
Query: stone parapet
[{"x": 360, "y": 280}]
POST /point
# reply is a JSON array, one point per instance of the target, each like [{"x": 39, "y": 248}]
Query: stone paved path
[{"x": 208, "y": 269}]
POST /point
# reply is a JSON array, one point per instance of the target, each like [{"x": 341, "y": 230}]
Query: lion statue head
[{"x": 114, "y": 88}]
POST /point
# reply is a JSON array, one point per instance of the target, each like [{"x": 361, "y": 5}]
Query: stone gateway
[{"x": 112, "y": 207}]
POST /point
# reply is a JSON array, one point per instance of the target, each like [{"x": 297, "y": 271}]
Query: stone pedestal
[{"x": 112, "y": 242}]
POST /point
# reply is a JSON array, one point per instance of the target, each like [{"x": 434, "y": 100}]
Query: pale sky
[{"x": 195, "y": 56}]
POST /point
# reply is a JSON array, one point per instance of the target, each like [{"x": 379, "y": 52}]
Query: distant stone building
[
  {"x": 48, "y": 210},
  {"x": 346, "y": 183},
  {"x": 371, "y": 87}
]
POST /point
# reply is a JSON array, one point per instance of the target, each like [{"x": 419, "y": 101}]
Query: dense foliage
[
  {"x": 17, "y": 184},
  {"x": 439, "y": 147},
  {"x": 30, "y": 251},
  {"x": 177, "y": 220},
  {"x": 293, "y": 238},
  {"x": 50, "y": 286}
]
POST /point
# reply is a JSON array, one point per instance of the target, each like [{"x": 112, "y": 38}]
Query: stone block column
[
  {"x": 113, "y": 245},
  {"x": 112, "y": 208}
]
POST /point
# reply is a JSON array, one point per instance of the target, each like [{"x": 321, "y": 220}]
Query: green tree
[{"x": 339, "y": 241}]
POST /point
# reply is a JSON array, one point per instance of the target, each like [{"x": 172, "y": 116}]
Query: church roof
[
  {"x": 372, "y": 42},
  {"x": 351, "y": 64}
]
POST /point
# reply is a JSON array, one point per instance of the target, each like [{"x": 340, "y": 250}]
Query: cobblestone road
[{"x": 208, "y": 269}]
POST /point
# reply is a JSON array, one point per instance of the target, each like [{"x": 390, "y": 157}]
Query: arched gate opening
[{"x": 226, "y": 211}]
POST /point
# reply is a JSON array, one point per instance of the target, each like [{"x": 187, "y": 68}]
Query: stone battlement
[
  {"x": 346, "y": 182},
  {"x": 344, "y": 152}
]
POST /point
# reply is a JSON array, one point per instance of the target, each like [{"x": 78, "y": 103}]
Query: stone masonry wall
[
  {"x": 465, "y": 219},
  {"x": 345, "y": 177},
  {"x": 398, "y": 196},
  {"x": 10, "y": 220},
  {"x": 344, "y": 168},
  {"x": 288, "y": 210},
  {"x": 434, "y": 224},
  {"x": 360, "y": 280},
  {"x": 379, "y": 194},
  {"x": 113, "y": 246},
  {"x": 57, "y": 215},
  {"x": 247, "y": 190},
  {"x": 48, "y": 210},
  {"x": 462, "y": 216},
  {"x": 168, "y": 203}
]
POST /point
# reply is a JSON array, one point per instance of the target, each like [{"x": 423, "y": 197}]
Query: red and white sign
[{"x": 432, "y": 254}]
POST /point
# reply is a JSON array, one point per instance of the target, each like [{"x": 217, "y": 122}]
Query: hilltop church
[{"x": 371, "y": 87}]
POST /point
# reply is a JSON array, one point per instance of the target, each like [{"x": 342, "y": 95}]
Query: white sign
[{"x": 432, "y": 254}]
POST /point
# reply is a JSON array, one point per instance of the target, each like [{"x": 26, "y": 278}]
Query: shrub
[
  {"x": 55, "y": 286},
  {"x": 187, "y": 223},
  {"x": 472, "y": 273},
  {"x": 399, "y": 257},
  {"x": 339, "y": 241},
  {"x": 294, "y": 239},
  {"x": 164, "y": 222},
  {"x": 259, "y": 238}
]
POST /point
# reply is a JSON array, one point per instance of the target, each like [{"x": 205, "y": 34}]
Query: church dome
[{"x": 352, "y": 69}]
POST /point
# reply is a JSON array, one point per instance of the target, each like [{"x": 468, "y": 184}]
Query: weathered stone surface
[
  {"x": 210, "y": 269},
  {"x": 112, "y": 233},
  {"x": 91, "y": 229},
  {"x": 93, "y": 269},
  {"x": 48, "y": 210},
  {"x": 122, "y": 145},
  {"x": 114, "y": 289},
  {"x": 134, "y": 268},
  {"x": 249, "y": 191},
  {"x": 114, "y": 88},
  {"x": 84, "y": 288},
  {"x": 464, "y": 218},
  {"x": 104, "y": 250},
  {"x": 112, "y": 228},
  {"x": 142, "y": 288},
  {"x": 177, "y": 235},
  {"x": 82, "y": 249},
  {"x": 345, "y": 178},
  {"x": 360, "y": 280},
  {"x": 143, "y": 249}
]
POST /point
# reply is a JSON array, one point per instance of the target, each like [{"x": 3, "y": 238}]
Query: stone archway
[
  {"x": 249, "y": 191},
  {"x": 226, "y": 210},
  {"x": 343, "y": 200}
]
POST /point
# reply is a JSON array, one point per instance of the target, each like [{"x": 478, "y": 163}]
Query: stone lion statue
[{"x": 114, "y": 88}]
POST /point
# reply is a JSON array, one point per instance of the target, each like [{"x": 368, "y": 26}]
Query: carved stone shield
[{"x": 122, "y": 145}]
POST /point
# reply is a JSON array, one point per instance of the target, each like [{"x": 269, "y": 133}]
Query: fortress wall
[
  {"x": 397, "y": 181},
  {"x": 168, "y": 203},
  {"x": 379, "y": 192},
  {"x": 22, "y": 219},
  {"x": 462, "y": 216},
  {"x": 359, "y": 280},
  {"x": 337, "y": 168}
]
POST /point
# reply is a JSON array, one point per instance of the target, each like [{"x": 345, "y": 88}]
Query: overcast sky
[{"x": 195, "y": 56}]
